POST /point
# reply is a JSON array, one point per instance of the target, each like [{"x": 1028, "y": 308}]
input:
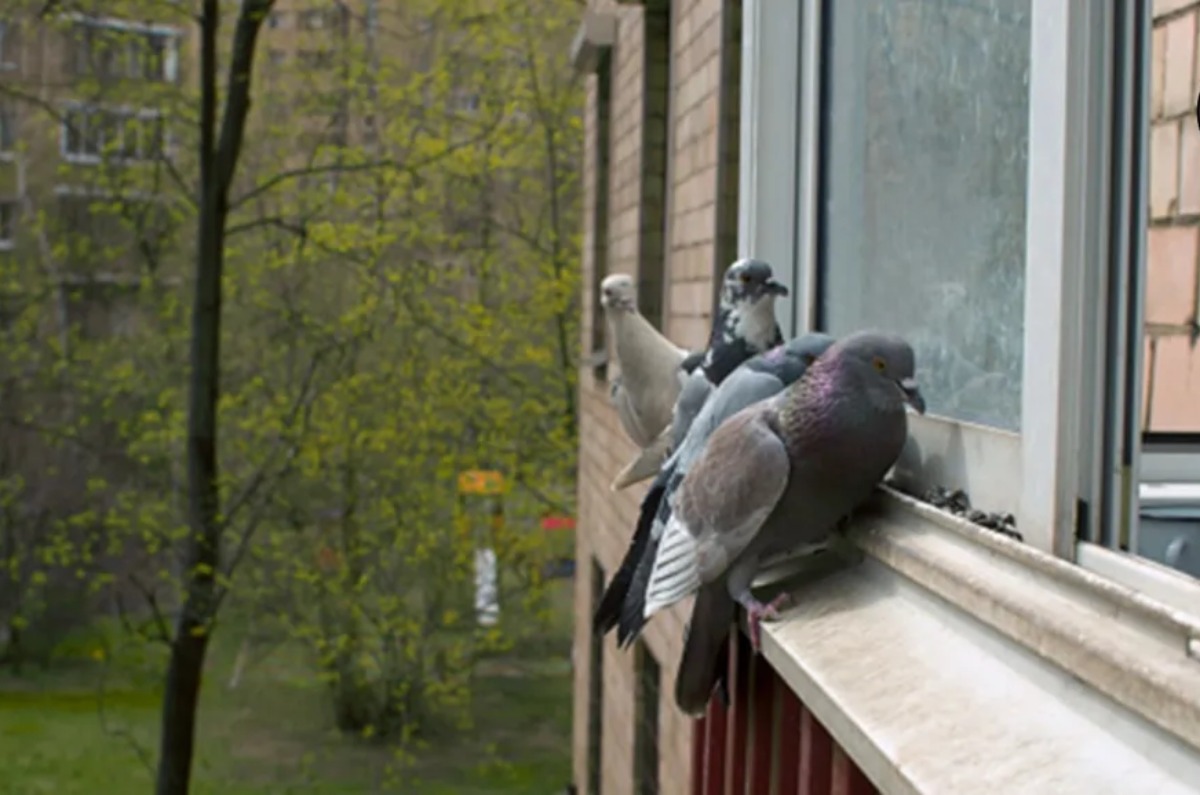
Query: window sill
[{"x": 956, "y": 660}]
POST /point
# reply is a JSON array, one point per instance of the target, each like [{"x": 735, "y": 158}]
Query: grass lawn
[{"x": 62, "y": 733}]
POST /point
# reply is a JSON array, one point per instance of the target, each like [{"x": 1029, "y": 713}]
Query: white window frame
[
  {"x": 1034, "y": 474},
  {"x": 172, "y": 35},
  {"x": 1155, "y": 462},
  {"x": 125, "y": 114}
]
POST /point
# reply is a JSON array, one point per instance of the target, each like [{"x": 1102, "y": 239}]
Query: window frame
[
  {"x": 170, "y": 37},
  {"x": 120, "y": 116},
  {"x": 8, "y": 224},
  {"x": 1132, "y": 457},
  {"x": 10, "y": 46},
  {"x": 1036, "y": 473},
  {"x": 8, "y": 129}
]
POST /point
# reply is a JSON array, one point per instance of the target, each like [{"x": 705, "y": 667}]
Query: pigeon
[
  {"x": 779, "y": 473},
  {"x": 755, "y": 380},
  {"x": 745, "y": 325},
  {"x": 651, "y": 377}
]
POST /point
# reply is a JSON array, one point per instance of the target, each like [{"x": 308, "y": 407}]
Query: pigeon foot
[{"x": 756, "y": 611}]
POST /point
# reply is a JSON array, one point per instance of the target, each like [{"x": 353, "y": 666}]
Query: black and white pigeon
[
  {"x": 756, "y": 379},
  {"x": 651, "y": 375},
  {"x": 774, "y": 476},
  {"x": 744, "y": 326}
]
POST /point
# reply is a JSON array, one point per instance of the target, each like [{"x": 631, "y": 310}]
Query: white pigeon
[{"x": 651, "y": 373}]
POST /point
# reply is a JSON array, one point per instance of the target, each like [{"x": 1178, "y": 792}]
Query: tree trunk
[{"x": 218, "y": 161}]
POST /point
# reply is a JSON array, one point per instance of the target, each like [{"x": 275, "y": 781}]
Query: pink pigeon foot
[{"x": 756, "y": 611}]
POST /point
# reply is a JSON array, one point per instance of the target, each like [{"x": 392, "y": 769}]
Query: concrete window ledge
[{"x": 954, "y": 660}]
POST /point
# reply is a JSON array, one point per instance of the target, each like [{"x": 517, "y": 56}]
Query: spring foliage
[{"x": 399, "y": 306}]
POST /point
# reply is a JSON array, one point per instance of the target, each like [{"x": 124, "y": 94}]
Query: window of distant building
[
  {"x": 8, "y": 126},
  {"x": 318, "y": 19},
  {"x": 89, "y": 134},
  {"x": 8, "y": 223},
  {"x": 9, "y": 46},
  {"x": 117, "y": 50},
  {"x": 315, "y": 59}
]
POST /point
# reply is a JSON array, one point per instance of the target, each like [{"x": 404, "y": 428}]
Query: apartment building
[
  {"x": 84, "y": 102},
  {"x": 1010, "y": 185}
]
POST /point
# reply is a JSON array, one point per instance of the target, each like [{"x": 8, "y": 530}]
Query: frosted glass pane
[{"x": 924, "y": 204}]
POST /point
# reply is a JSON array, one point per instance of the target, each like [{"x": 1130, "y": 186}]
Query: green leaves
[{"x": 401, "y": 275}]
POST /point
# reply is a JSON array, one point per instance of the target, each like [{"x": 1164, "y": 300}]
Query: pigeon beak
[
  {"x": 772, "y": 287},
  {"x": 912, "y": 394}
]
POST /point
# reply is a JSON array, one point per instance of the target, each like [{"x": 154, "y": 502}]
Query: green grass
[{"x": 63, "y": 733}]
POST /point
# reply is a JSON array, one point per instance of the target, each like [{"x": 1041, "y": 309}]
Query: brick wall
[
  {"x": 1172, "y": 377},
  {"x": 687, "y": 215}
]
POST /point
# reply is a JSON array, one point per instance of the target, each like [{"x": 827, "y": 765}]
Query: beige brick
[
  {"x": 1164, "y": 169},
  {"x": 1175, "y": 386},
  {"x": 1171, "y": 274},
  {"x": 1179, "y": 64},
  {"x": 606, "y": 519},
  {"x": 690, "y": 298},
  {"x": 1162, "y": 7},
  {"x": 1189, "y": 170}
]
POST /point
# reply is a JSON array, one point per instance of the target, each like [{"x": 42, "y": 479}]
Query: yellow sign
[{"x": 481, "y": 481}]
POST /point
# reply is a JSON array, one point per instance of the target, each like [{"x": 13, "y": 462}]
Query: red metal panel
[
  {"x": 767, "y": 742},
  {"x": 714, "y": 772},
  {"x": 764, "y": 684},
  {"x": 847, "y": 778},
  {"x": 740, "y": 661},
  {"x": 787, "y": 764},
  {"x": 816, "y": 755}
]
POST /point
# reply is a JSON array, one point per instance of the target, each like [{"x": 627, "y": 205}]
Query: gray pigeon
[
  {"x": 745, "y": 326},
  {"x": 777, "y": 474},
  {"x": 755, "y": 380},
  {"x": 651, "y": 376}
]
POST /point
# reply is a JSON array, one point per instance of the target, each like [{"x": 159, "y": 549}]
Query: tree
[{"x": 219, "y": 151}]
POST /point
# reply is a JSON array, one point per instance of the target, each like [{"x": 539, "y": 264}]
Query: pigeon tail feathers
[
  {"x": 702, "y": 667},
  {"x": 608, "y": 613},
  {"x": 647, "y": 462}
]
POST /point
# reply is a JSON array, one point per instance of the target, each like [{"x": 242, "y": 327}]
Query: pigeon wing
[{"x": 720, "y": 507}]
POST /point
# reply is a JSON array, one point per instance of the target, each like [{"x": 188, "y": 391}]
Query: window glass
[{"x": 923, "y": 218}]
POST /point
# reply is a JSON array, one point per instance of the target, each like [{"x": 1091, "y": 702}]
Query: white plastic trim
[
  {"x": 1064, "y": 205},
  {"x": 767, "y": 170},
  {"x": 1173, "y": 588},
  {"x": 780, "y": 129}
]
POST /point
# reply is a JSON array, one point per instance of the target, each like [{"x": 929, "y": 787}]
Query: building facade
[{"x": 1010, "y": 185}]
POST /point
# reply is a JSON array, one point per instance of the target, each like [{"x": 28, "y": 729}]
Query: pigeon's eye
[
  {"x": 745, "y": 277},
  {"x": 879, "y": 364}
]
